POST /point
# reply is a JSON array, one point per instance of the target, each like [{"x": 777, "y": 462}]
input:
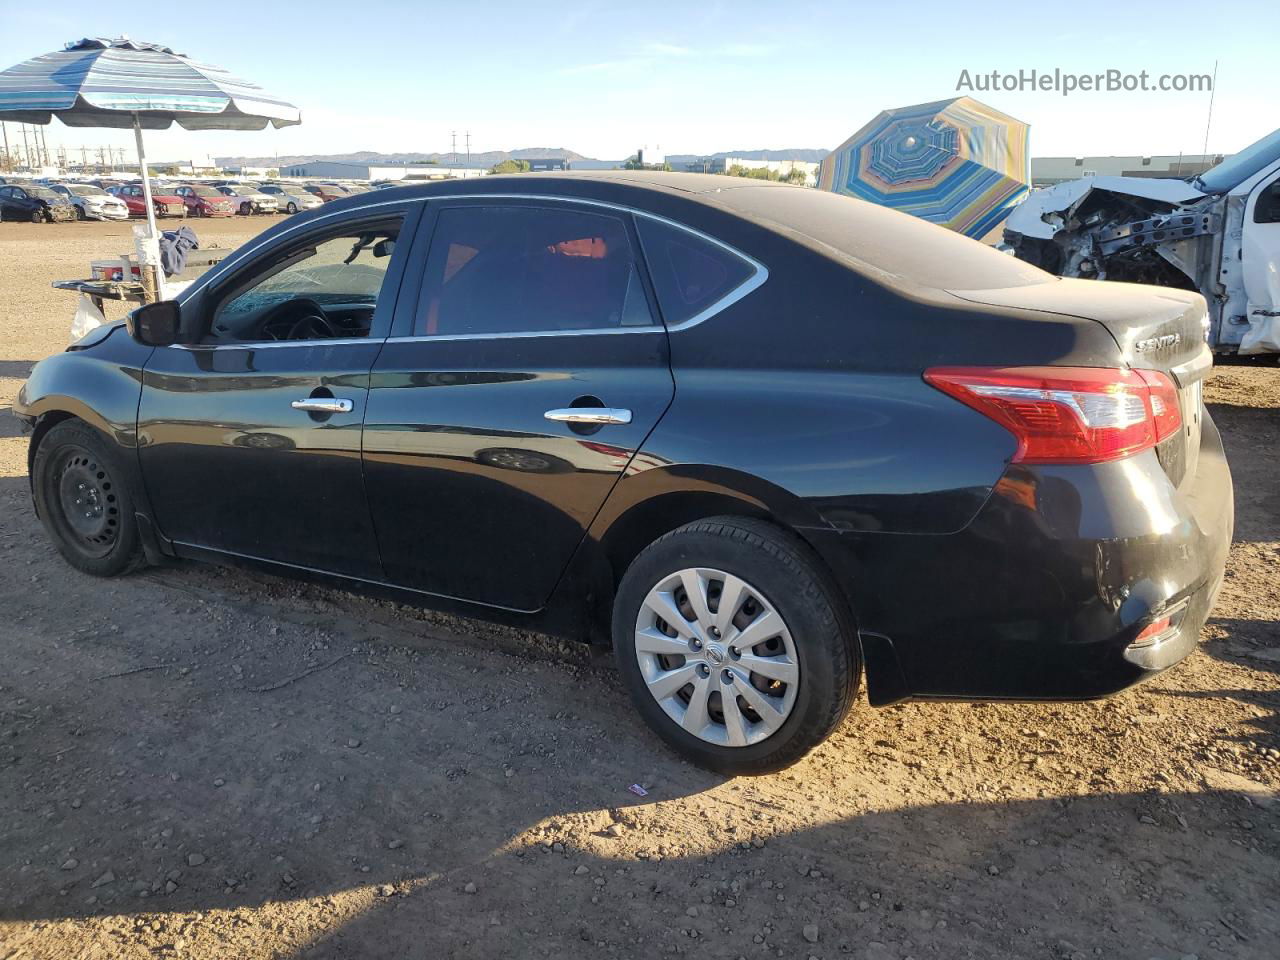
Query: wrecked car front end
[{"x": 1216, "y": 235}]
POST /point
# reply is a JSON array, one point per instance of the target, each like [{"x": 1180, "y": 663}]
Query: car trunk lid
[{"x": 1156, "y": 328}]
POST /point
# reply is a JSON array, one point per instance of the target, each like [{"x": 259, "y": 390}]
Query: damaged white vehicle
[{"x": 1218, "y": 234}]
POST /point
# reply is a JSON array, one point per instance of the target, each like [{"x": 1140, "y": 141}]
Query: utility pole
[
  {"x": 468, "y": 148},
  {"x": 26, "y": 148},
  {"x": 453, "y": 149},
  {"x": 8, "y": 159},
  {"x": 44, "y": 145}
]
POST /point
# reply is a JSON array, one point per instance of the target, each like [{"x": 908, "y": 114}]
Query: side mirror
[{"x": 156, "y": 324}]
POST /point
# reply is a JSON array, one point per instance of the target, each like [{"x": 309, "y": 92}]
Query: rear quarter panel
[{"x": 812, "y": 385}]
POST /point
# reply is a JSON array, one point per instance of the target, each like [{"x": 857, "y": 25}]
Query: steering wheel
[{"x": 310, "y": 323}]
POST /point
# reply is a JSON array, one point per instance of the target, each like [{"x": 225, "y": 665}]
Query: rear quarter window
[{"x": 690, "y": 273}]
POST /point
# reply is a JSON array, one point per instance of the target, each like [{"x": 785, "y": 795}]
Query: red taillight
[
  {"x": 1068, "y": 414},
  {"x": 1153, "y": 632},
  {"x": 1164, "y": 403}
]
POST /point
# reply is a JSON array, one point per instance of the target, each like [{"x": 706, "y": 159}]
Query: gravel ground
[{"x": 199, "y": 762}]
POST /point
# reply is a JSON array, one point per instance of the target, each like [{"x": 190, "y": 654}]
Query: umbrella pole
[
  {"x": 148, "y": 249},
  {"x": 146, "y": 177}
]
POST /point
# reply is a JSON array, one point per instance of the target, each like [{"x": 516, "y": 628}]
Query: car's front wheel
[
  {"x": 292, "y": 208},
  {"x": 84, "y": 502},
  {"x": 734, "y": 646}
]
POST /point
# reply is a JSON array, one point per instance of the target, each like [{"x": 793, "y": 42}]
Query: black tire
[
  {"x": 73, "y": 458},
  {"x": 524, "y": 461},
  {"x": 292, "y": 208},
  {"x": 245, "y": 210},
  {"x": 37, "y": 215},
  {"x": 784, "y": 569}
]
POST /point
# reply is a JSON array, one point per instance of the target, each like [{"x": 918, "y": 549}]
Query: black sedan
[
  {"x": 763, "y": 440},
  {"x": 34, "y": 203}
]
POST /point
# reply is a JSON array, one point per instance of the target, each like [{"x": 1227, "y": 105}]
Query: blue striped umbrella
[
  {"x": 98, "y": 82},
  {"x": 958, "y": 163}
]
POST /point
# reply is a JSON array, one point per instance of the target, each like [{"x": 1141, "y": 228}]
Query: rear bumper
[{"x": 1042, "y": 596}]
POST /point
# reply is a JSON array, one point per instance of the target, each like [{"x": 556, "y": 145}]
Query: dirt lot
[{"x": 441, "y": 789}]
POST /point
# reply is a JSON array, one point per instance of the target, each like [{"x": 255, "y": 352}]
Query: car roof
[{"x": 887, "y": 245}]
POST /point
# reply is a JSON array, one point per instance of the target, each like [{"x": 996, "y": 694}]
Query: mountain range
[{"x": 490, "y": 157}]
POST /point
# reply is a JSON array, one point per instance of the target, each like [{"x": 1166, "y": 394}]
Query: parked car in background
[
  {"x": 34, "y": 203},
  {"x": 765, "y": 442},
  {"x": 248, "y": 200},
  {"x": 327, "y": 191},
  {"x": 92, "y": 203},
  {"x": 166, "y": 204},
  {"x": 205, "y": 201},
  {"x": 291, "y": 197}
]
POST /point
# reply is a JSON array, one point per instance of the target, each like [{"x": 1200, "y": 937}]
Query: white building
[
  {"x": 780, "y": 167},
  {"x": 1046, "y": 171},
  {"x": 337, "y": 170}
]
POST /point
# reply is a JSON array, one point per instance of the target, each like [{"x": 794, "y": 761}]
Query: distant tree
[
  {"x": 634, "y": 163},
  {"x": 753, "y": 173},
  {"x": 510, "y": 166},
  {"x": 796, "y": 175},
  {"x": 272, "y": 172}
]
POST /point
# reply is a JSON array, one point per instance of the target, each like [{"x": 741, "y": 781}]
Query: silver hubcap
[{"x": 717, "y": 657}]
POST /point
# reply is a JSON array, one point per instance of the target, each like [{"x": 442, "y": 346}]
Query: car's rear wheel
[
  {"x": 84, "y": 502},
  {"x": 734, "y": 646}
]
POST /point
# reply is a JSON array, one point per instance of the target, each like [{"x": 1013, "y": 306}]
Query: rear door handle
[
  {"x": 590, "y": 415},
  {"x": 323, "y": 405}
]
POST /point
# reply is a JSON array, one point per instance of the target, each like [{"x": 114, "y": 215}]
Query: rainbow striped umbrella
[{"x": 957, "y": 163}]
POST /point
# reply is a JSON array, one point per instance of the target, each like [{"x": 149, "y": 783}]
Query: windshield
[
  {"x": 44, "y": 193},
  {"x": 86, "y": 190},
  {"x": 1235, "y": 170},
  {"x": 205, "y": 192}
]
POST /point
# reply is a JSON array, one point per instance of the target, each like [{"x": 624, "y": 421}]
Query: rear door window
[
  {"x": 513, "y": 269},
  {"x": 690, "y": 273}
]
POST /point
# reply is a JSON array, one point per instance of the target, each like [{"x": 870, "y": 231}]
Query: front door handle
[
  {"x": 589, "y": 415},
  {"x": 323, "y": 405}
]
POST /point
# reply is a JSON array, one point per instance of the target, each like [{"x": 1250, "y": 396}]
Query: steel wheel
[
  {"x": 86, "y": 500},
  {"x": 293, "y": 207},
  {"x": 717, "y": 657}
]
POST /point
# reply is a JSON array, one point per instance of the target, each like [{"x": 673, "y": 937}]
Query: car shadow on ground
[
  {"x": 16, "y": 369},
  {"x": 1254, "y": 645}
]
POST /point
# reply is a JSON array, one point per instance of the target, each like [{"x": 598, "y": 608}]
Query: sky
[{"x": 603, "y": 78}]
